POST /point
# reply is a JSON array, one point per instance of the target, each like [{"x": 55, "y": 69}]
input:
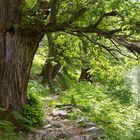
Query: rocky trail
[{"x": 59, "y": 126}]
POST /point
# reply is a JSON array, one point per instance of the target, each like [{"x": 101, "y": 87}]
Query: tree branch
[
  {"x": 75, "y": 16},
  {"x": 96, "y": 30},
  {"x": 101, "y": 45},
  {"x": 53, "y": 14},
  {"x": 109, "y": 34},
  {"x": 66, "y": 27},
  {"x": 129, "y": 45},
  {"x": 120, "y": 52},
  {"x": 113, "y": 13}
]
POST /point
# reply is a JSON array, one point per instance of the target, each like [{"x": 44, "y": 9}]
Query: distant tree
[{"x": 52, "y": 64}]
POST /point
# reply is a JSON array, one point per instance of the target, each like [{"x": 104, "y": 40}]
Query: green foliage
[
  {"x": 119, "y": 89},
  {"x": 35, "y": 88},
  {"x": 116, "y": 121},
  {"x": 22, "y": 121},
  {"x": 73, "y": 102},
  {"x": 7, "y": 131},
  {"x": 137, "y": 129},
  {"x": 33, "y": 110},
  {"x": 32, "y": 113},
  {"x": 66, "y": 80},
  {"x": 111, "y": 75},
  {"x": 40, "y": 57},
  {"x": 30, "y": 3},
  {"x": 113, "y": 79}
]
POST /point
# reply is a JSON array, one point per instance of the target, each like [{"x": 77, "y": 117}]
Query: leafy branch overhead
[{"x": 97, "y": 17}]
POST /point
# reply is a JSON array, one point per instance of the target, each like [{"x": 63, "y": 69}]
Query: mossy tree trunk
[{"x": 17, "y": 50}]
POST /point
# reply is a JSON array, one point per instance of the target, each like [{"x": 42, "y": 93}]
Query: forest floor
[{"x": 59, "y": 125}]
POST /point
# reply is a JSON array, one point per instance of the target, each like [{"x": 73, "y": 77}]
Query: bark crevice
[{"x": 17, "y": 52}]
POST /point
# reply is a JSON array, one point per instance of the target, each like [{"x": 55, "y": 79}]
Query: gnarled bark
[{"x": 16, "y": 54}]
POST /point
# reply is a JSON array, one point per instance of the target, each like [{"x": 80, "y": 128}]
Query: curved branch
[
  {"x": 129, "y": 45},
  {"x": 75, "y": 16},
  {"x": 101, "y": 45},
  {"x": 113, "y": 13}
]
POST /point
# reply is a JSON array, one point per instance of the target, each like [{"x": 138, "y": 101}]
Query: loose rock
[
  {"x": 67, "y": 134},
  {"x": 76, "y": 138},
  {"x": 93, "y": 132},
  {"x": 83, "y": 119},
  {"x": 47, "y": 126},
  {"x": 61, "y": 113},
  {"x": 50, "y": 136},
  {"x": 89, "y": 125}
]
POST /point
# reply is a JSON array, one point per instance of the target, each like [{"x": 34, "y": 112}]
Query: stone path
[{"x": 60, "y": 127}]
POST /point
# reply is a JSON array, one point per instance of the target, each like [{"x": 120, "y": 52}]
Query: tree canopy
[{"x": 114, "y": 21}]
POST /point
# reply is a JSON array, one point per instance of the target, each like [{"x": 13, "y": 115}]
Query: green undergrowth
[
  {"x": 7, "y": 131},
  {"x": 39, "y": 60},
  {"x": 116, "y": 121},
  {"x": 33, "y": 110},
  {"x": 117, "y": 117},
  {"x": 31, "y": 116},
  {"x": 36, "y": 88}
]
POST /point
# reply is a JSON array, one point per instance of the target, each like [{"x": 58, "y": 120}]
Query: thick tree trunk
[{"x": 16, "y": 55}]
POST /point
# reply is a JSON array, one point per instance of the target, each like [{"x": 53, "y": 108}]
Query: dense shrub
[
  {"x": 119, "y": 89},
  {"x": 7, "y": 131},
  {"x": 35, "y": 88},
  {"x": 33, "y": 110},
  {"x": 116, "y": 121}
]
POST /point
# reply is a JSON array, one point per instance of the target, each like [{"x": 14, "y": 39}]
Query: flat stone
[
  {"x": 37, "y": 137},
  {"x": 83, "y": 119},
  {"x": 56, "y": 125},
  {"x": 87, "y": 137},
  {"x": 76, "y": 138},
  {"x": 58, "y": 118},
  {"x": 93, "y": 131},
  {"x": 40, "y": 132},
  {"x": 67, "y": 134},
  {"x": 47, "y": 126},
  {"x": 89, "y": 125},
  {"x": 50, "y": 136},
  {"x": 61, "y": 113}
]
